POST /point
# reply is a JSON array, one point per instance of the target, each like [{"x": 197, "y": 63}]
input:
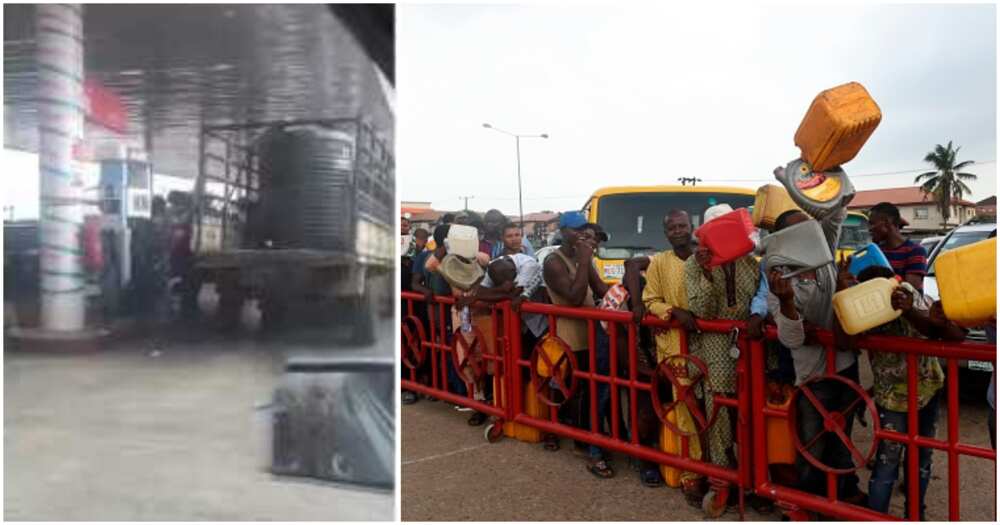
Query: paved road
[
  {"x": 449, "y": 472},
  {"x": 124, "y": 434}
]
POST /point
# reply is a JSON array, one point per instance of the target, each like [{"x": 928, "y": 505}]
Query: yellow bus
[
  {"x": 853, "y": 234},
  {"x": 632, "y": 216}
]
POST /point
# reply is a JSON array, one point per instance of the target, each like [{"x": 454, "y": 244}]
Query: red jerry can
[{"x": 728, "y": 237}]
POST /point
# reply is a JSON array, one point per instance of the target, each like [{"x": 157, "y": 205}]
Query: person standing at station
[
  {"x": 808, "y": 298},
  {"x": 512, "y": 240},
  {"x": 572, "y": 280},
  {"x": 908, "y": 259},
  {"x": 891, "y": 393},
  {"x": 722, "y": 292},
  {"x": 665, "y": 296},
  {"x": 493, "y": 232}
]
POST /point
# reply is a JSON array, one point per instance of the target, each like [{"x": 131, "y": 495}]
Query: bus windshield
[
  {"x": 854, "y": 233},
  {"x": 634, "y": 221}
]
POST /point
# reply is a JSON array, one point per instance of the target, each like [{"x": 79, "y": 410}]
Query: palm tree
[{"x": 945, "y": 183}]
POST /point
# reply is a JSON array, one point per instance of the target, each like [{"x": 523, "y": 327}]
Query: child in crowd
[{"x": 890, "y": 389}]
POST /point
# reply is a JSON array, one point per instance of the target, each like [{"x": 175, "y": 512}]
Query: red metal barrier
[
  {"x": 739, "y": 476},
  {"x": 792, "y": 498},
  {"x": 441, "y": 347},
  {"x": 420, "y": 346}
]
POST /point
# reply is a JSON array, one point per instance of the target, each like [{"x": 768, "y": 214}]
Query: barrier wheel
[
  {"x": 494, "y": 432},
  {"x": 675, "y": 370},
  {"x": 833, "y": 422},
  {"x": 413, "y": 339},
  {"x": 555, "y": 370},
  {"x": 473, "y": 360}
]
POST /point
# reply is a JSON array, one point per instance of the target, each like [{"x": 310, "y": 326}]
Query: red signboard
[{"x": 104, "y": 107}]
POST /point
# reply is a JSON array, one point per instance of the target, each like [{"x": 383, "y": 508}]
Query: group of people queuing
[{"x": 682, "y": 284}]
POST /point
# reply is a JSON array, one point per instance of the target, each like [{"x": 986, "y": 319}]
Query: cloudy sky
[{"x": 643, "y": 95}]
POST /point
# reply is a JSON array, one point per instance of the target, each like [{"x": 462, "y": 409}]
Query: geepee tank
[{"x": 306, "y": 189}]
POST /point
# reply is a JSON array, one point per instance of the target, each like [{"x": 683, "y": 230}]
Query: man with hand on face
[
  {"x": 665, "y": 296},
  {"x": 908, "y": 259},
  {"x": 719, "y": 292},
  {"x": 572, "y": 280}
]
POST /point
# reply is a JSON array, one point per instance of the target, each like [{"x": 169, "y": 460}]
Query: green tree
[{"x": 946, "y": 182}]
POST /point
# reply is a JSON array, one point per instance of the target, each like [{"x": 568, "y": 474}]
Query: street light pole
[
  {"x": 520, "y": 200},
  {"x": 466, "y": 199},
  {"x": 517, "y": 153}
]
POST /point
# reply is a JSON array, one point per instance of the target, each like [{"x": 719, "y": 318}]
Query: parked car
[
  {"x": 929, "y": 243},
  {"x": 960, "y": 236}
]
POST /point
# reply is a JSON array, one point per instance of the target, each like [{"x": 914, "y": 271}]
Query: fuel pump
[{"x": 126, "y": 193}]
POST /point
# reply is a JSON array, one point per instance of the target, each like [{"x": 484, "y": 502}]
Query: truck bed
[{"x": 245, "y": 258}]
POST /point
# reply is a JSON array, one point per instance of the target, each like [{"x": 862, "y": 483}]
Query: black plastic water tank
[{"x": 306, "y": 189}]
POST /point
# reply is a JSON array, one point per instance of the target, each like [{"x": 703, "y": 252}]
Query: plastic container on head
[
  {"x": 728, "y": 237},
  {"x": 838, "y": 123},
  {"x": 818, "y": 194},
  {"x": 802, "y": 247},
  {"x": 463, "y": 240},
  {"x": 870, "y": 255},
  {"x": 867, "y": 305},
  {"x": 967, "y": 281},
  {"x": 771, "y": 201}
]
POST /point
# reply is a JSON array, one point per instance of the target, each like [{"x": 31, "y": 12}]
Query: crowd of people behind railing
[{"x": 683, "y": 284}]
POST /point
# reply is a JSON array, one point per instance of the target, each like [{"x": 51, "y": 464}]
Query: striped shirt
[{"x": 908, "y": 257}]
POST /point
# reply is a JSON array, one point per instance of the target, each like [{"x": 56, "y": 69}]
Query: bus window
[
  {"x": 854, "y": 233},
  {"x": 634, "y": 221}
]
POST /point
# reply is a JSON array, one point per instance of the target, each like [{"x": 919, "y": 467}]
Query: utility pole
[
  {"x": 517, "y": 153},
  {"x": 685, "y": 180},
  {"x": 466, "y": 199}
]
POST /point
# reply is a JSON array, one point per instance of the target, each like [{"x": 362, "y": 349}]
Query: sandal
[
  {"x": 694, "y": 490},
  {"x": 477, "y": 419},
  {"x": 650, "y": 477},
  {"x": 601, "y": 469},
  {"x": 551, "y": 442},
  {"x": 759, "y": 504},
  {"x": 715, "y": 502}
]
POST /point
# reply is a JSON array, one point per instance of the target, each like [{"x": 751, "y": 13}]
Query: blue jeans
[
  {"x": 891, "y": 453},
  {"x": 603, "y": 358},
  {"x": 829, "y": 450}
]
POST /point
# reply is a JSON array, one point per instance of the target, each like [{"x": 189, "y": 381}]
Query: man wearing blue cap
[{"x": 572, "y": 280}]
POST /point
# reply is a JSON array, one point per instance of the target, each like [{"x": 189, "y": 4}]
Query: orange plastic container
[
  {"x": 779, "y": 437},
  {"x": 671, "y": 444},
  {"x": 771, "y": 201},
  {"x": 967, "y": 280},
  {"x": 867, "y": 305},
  {"x": 533, "y": 406},
  {"x": 554, "y": 351},
  {"x": 837, "y": 125}
]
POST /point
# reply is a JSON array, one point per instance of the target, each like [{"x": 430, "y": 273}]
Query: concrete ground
[
  {"x": 129, "y": 433},
  {"x": 450, "y": 472}
]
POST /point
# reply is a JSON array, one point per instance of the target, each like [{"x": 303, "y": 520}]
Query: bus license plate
[
  {"x": 614, "y": 271},
  {"x": 984, "y": 366}
]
